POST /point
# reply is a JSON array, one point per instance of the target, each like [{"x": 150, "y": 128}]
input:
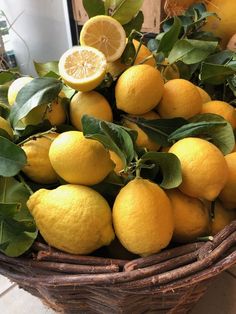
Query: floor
[{"x": 220, "y": 298}]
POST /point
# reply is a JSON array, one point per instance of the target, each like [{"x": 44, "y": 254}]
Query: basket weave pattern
[{"x": 169, "y": 282}]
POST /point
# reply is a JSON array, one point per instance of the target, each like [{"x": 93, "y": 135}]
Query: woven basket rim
[{"x": 171, "y": 269}]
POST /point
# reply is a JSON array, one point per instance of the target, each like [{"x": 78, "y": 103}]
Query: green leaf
[
  {"x": 4, "y": 106},
  {"x": 232, "y": 84},
  {"x": 158, "y": 130},
  {"x": 169, "y": 165},
  {"x": 18, "y": 230},
  {"x": 94, "y": 7},
  {"x": 170, "y": 37},
  {"x": 7, "y": 76},
  {"x": 39, "y": 91},
  {"x": 112, "y": 136},
  {"x": 129, "y": 53},
  {"x": 12, "y": 158},
  {"x": 215, "y": 74},
  {"x": 125, "y": 10},
  {"x": 220, "y": 57},
  {"x": 191, "y": 51},
  {"x": 211, "y": 127},
  {"x": 136, "y": 23},
  {"x": 43, "y": 68}
]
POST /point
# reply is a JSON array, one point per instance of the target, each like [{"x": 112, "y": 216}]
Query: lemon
[
  {"x": 227, "y": 194},
  {"x": 180, "y": 99},
  {"x": 119, "y": 166},
  {"x": 115, "y": 68},
  {"x": 5, "y": 125},
  {"x": 90, "y": 103},
  {"x": 169, "y": 71},
  {"x": 204, "y": 95},
  {"x": 15, "y": 87},
  {"x": 221, "y": 108},
  {"x": 139, "y": 89},
  {"x": 191, "y": 217},
  {"x": 82, "y": 68},
  {"x": 143, "y": 217},
  {"x": 143, "y": 140},
  {"x": 38, "y": 167},
  {"x": 144, "y": 54},
  {"x": 73, "y": 218},
  {"x": 105, "y": 34},
  {"x": 54, "y": 113},
  {"x": 222, "y": 217},
  {"x": 225, "y": 26},
  {"x": 79, "y": 160},
  {"x": 204, "y": 169}
]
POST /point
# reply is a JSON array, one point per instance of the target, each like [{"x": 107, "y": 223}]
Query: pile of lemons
[{"x": 144, "y": 217}]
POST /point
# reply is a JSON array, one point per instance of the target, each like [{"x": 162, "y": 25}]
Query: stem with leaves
[{"x": 33, "y": 137}]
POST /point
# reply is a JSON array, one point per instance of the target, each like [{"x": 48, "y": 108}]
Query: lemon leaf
[
  {"x": 215, "y": 74},
  {"x": 136, "y": 23},
  {"x": 170, "y": 37},
  {"x": 114, "y": 137},
  {"x": 191, "y": 51},
  {"x": 124, "y": 10},
  {"x": 94, "y": 7},
  {"x": 12, "y": 158},
  {"x": 211, "y": 127},
  {"x": 43, "y": 69},
  {"x": 18, "y": 230},
  {"x": 39, "y": 91},
  {"x": 159, "y": 129},
  {"x": 169, "y": 166}
]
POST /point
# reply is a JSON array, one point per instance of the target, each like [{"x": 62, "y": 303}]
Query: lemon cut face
[
  {"x": 105, "y": 34},
  {"x": 82, "y": 68}
]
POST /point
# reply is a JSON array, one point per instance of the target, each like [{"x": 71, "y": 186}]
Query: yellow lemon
[
  {"x": 228, "y": 193},
  {"x": 54, "y": 113},
  {"x": 90, "y": 103},
  {"x": 143, "y": 139},
  {"x": 180, "y": 99},
  {"x": 105, "y": 34},
  {"x": 221, "y": 218},
  {"x": 224, "y": 27},
  {"x": 191, "y": 217},
  {"x": 72, "y": 218},
  {"x": 79, "y": 160},
  {"x": 221, "y": 108},
  {"x": 139, "y": 89},
  {"x": 119, "y": 166},
  {"x": 143, "y": 217},
  {"x": 15, "y": 87},
  {"x": 5, "y": 125},
  {"x": 115, "y": 68},
  {"x": 82, "y": 68},
  {"x": 204, "y": 169},
  {"x": 38, "y": 167},
  {"x": 205, "y": 96},
  {"x": 144, "y": 55}
]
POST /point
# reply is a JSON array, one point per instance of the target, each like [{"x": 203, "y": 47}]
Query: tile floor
[{"x": 219, "y": 299}]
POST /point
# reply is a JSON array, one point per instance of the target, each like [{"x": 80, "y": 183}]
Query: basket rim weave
[{"x": 171, "y": 269}]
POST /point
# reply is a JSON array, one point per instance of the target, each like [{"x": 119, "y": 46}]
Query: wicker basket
[{"x": 169, "y": 282}]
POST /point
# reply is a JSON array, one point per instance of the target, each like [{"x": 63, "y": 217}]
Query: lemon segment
[
  {"x": 106, "y": 34},
  {"x": 82, "y": 68}
]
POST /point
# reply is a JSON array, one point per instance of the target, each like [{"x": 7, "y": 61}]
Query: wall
[{"x": 40, "y": 30}]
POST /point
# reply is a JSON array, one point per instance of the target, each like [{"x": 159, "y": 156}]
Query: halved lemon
[
  {"x": 106, "y": 34},
  {"x": 82, "y": 68}
]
